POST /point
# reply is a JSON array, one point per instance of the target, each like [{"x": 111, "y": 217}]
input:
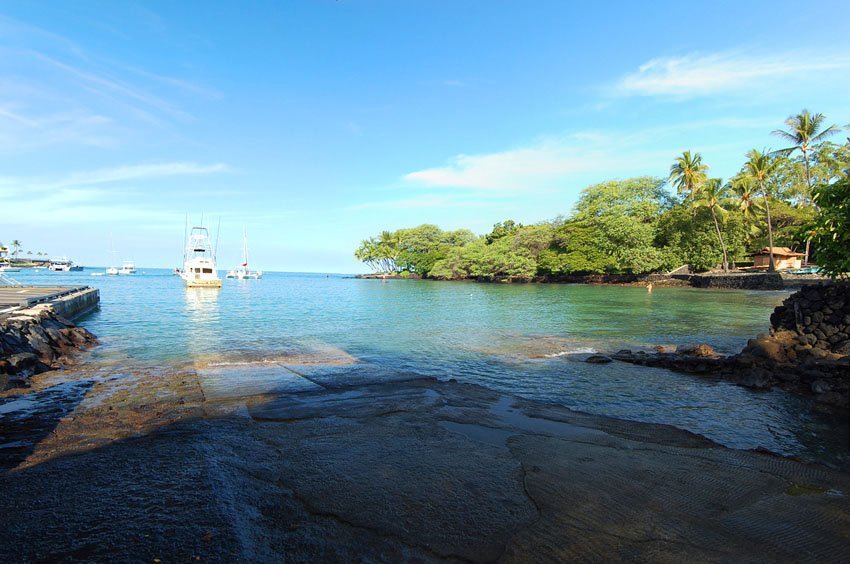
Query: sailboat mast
[{"x": 244, "y": 247}]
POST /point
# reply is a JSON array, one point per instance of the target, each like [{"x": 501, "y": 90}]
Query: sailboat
[
  {"x": 242, "y": 272},
  {"x": 199, "y": 261}
]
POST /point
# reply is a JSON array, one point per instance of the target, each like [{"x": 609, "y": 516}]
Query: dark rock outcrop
[
  {"x": 35, "y": 340},
  {"x": 807, "y": 351}
]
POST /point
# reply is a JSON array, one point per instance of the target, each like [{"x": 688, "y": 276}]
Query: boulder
[
  {"x": 598, "y": 359},
  {"x": 701, "y": 350},
  {"x": 756, "y": 378},
  {"x": 22, "y": 362}
]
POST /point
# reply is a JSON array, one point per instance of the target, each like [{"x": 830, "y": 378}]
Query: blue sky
[{"x": 319, "y": 123}]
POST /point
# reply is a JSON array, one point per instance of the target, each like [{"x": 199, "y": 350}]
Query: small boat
[
  {"x": 199, "y": 261},
  {"x": 127, "y": 268},
  {"x": 63, "y": 264},
  {"x": 242, "y": 272},
  {"x": 7, "y": 267},
  {"x": 112, "y": 271}
]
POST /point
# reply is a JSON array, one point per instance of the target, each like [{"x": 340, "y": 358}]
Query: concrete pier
[{"x": 69, "y": 302}]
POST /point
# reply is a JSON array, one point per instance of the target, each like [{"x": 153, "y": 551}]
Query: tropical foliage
[
  {"x": 830, "y": 230},
  {"x": 638, "y": 225}
]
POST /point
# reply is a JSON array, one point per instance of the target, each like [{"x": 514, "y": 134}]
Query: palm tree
[
  {"x": 744, "y": 189},
  {"x": 804, "y": 129},
  {"x": 16, "y": 245},
  {"x": 760, "y": 167},
  {"x": 711, "y": 194},
  {"x": 687, "y": 173}
]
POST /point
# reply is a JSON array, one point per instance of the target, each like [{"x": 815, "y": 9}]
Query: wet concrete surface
[{"x": 305, "y": 461}]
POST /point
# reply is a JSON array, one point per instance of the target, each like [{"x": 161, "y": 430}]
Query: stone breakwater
[
  {"x": 35, "y": 340},
  {"x": 806, "y": 352}
]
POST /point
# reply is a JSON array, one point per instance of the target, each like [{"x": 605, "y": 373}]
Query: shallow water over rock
[{"x": 519, "y": 339}]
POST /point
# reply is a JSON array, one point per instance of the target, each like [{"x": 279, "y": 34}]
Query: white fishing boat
[
  {"x": 242, "y": 272},
  {"x": 112, "y": 271},
  {"x": 199, "y": 261},
  {"x": 128, "y": 267},
  {"x": 63, "y": 264}
]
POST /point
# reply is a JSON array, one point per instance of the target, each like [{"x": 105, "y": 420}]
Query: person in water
[{"x": 649, "y": 287}]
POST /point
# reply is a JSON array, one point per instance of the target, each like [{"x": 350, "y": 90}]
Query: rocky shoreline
[
  {"x": 807, "y": 351},
  {"x": 36, "y": 340},
  {"x": 709, "y": 280}
]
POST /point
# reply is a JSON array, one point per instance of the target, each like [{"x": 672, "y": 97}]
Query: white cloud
[
  {"x": 511, "y": 170},
  {"x": 702, "y": 75}
]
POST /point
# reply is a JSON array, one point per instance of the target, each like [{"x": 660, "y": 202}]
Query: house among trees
[{"x": 783, "y": 258}]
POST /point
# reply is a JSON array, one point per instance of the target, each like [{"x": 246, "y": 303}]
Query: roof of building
[{"x": 779, "y": 251}]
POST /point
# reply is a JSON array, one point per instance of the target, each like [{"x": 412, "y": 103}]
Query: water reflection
[{"x": 203, "y": 317}]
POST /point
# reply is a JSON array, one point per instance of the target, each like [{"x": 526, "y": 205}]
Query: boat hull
[{"x": 201, "y": 283}]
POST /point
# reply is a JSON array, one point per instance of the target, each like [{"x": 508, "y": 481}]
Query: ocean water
[{"x": 528, "y": 340}]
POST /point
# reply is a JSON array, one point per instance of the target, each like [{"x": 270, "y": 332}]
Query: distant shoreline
[{"x": 742, "y": 280}]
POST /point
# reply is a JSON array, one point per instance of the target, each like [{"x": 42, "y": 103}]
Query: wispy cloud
[
  {"x": 424, "y": 201},
  {"x": 19, "y": 186},
  {"x": 557, "y": 161},
  {"x": 54, "y": 93},
  {"x": 97, "y": 196},
  {"x": 696, "y": 75}
]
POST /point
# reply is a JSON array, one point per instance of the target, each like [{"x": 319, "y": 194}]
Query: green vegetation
[
  {"x": 791, "y": 197},
  {"x": 830, "y": 230}
]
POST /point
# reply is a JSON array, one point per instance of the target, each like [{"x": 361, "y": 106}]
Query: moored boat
[
  {"x": 128, "y": 267},
  {"x": 7, "y": 267},
  {"x": 63, "y": 264},
  {"x": 242, "y": 272},
  {"x": 199, "y": 269}
]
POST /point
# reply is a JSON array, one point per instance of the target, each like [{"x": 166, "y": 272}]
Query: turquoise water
[{"x": 528, "y": 340}]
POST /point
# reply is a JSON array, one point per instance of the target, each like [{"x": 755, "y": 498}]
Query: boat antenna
[
  {"x": 217, "y": 233},
  {"x": 185, "y": 236}
]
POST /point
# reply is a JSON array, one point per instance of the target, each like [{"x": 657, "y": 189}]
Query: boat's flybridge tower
[{"x": 199, "y": 270}]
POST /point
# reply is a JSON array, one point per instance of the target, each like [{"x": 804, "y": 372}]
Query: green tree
[
  {"x": 502, "y": 229},
  {"x": 687, "y": 173},
  {"x": 804, "y": 129},
  {"x": 760, "y": 166},
  {"x": 830, "y": 230},
  {"x": 711, "y": 195},
  {"x": 621, "y": 216}
]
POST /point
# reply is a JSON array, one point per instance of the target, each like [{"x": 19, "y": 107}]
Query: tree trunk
[
  {"x": 722, "y": 244},
  {"x": 772, "y": 266},
  {"x": 805, "y": 150}
]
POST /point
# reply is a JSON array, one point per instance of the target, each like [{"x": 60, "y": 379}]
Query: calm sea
[{"x": 527, "y": 340}]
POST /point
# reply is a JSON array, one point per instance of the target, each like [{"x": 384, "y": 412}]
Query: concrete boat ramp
[{"x": 308, "y": 462}]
